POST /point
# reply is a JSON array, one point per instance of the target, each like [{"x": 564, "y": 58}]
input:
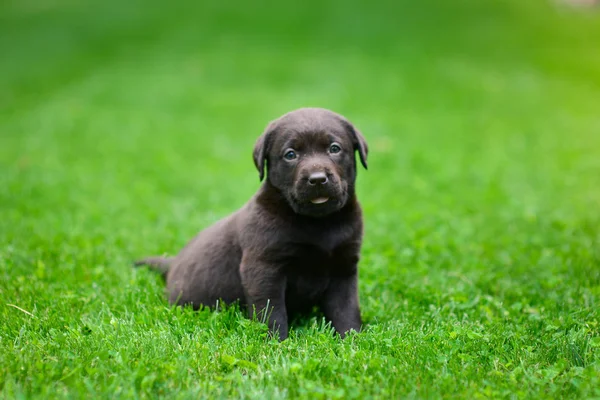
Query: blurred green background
[{"x": 126, "y": 127}]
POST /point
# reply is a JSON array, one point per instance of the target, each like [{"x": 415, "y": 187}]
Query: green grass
[{"x": 126, "y": 127}]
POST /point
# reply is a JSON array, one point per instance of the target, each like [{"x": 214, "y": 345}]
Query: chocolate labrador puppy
[{"x": 296, "y": 243}]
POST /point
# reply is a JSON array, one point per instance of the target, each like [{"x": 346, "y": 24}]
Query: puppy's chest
[
  {"x": 310, "y": 260},
  {"x": 310, "y": 270},
  {"x": 308, "y": 273},
  {"x": 321, "y": 241}
]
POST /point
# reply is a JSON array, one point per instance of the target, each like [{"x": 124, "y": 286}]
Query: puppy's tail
[{"x": 159, "y": 264}]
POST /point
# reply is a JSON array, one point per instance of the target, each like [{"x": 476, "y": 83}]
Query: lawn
[{"x": 126, "y": 127}]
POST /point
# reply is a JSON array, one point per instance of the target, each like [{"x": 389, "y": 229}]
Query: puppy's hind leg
[{"x": 158, "y": 264}]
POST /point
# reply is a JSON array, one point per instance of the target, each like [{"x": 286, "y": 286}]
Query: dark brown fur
[{"x": 280, "y": 253}]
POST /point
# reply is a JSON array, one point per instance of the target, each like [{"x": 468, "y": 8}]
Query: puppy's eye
[
  {"x": 290, "y": 155},
  {"x": 335, "y": 148}
]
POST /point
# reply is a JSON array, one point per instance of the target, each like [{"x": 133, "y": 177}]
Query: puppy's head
[{"x": 309, "y": 157}]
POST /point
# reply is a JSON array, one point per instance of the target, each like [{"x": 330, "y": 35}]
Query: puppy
[{"x": 296, "y": 243}]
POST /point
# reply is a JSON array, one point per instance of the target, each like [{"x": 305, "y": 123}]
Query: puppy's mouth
[
  {"x": 320, "y": 200},
  {"x": 317, "y": 201}
]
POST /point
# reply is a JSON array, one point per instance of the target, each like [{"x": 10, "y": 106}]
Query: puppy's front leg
[
  {"x": 340, "y": 304},
  {"x": 264, "y": 287}
]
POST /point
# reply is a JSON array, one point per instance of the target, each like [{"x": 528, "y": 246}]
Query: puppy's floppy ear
[
  {"x": 261, "y": 149},
  {"x": 359, "y": 142}
]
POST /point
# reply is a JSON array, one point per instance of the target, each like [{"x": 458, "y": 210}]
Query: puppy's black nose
[{"x": 317, "y": 178}]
